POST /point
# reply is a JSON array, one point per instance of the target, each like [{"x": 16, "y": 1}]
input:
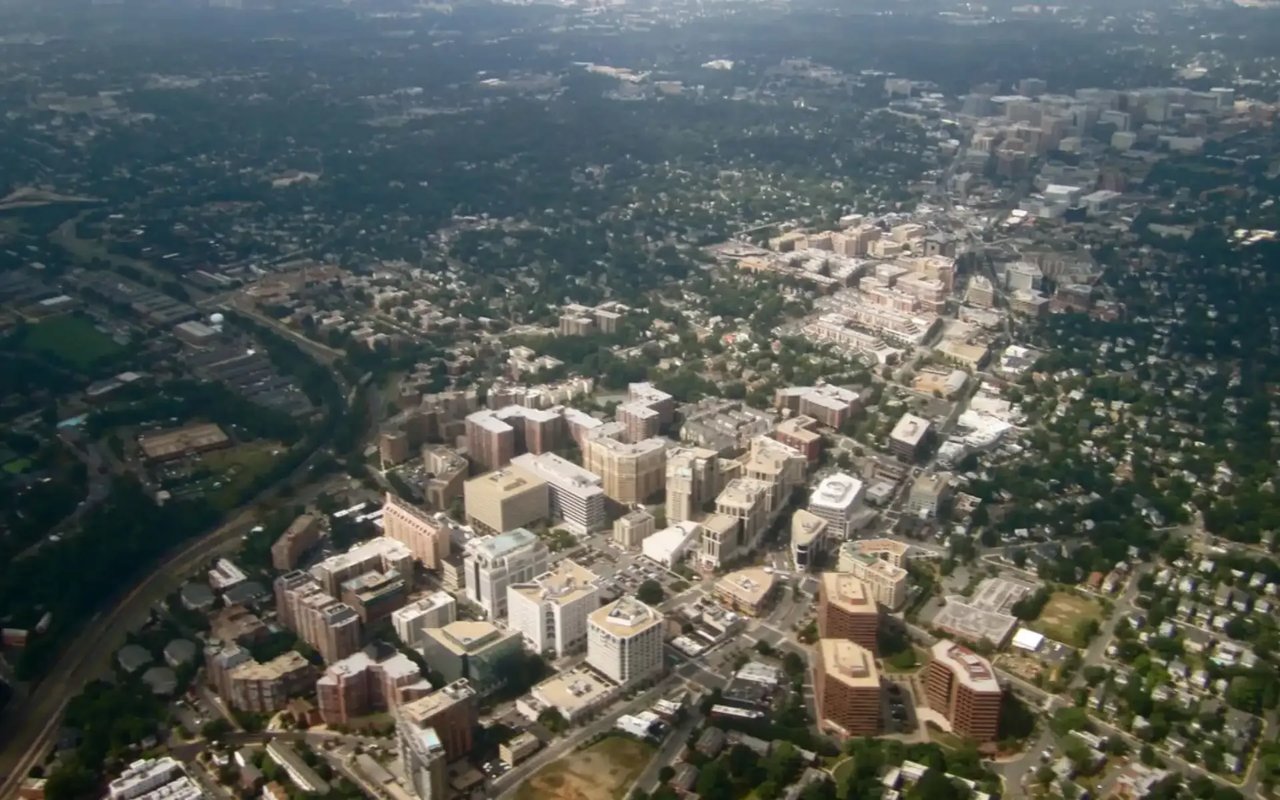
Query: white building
[
  {"x": 433, "y": 611},
  {"x": 493, "y": 563},
  {"x": 577, "y": 496},
  {"x": 550, "y": 611},
  {"x": 153, "y": 778},
  {"x": 837, "y": 500},
  {"x": 624, "y": 641},
  {"x": 669, "y": 545}
]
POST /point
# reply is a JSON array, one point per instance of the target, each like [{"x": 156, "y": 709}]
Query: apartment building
[
  {"x": 493, "y": 563},
  {"x": 624, "y": 641},
  {"x": 550, "y": 611},
  {"x": 375, "y": 679},
  {"x": 692, "y": 479},
  {"x": 910, "y": 437},
  {"x": 507, "y": 498},
  {"x": 382, "y": 554},
  {"x": 961, "y": 685},
  {"x": 847, "y": 610},
  {"x": 847, "y": 690},
  {"x": 425, "y": 535},
  {"x": 259, "y": 688},
  {"x": 647, "y": 411},
  {"x": 837, "y": 499},
  {"x": 491, "y": 442},
  {"x": 776, "y": 464},
  {"x": 375, "y": 595},
  {"x": 452, "y": 710},
  {"x": 576, "y": 496},
  {"x": 301, "y": 535},
  {"x": 831, "y": 406},
  {"x": 725, "y": 426},
  {"x": 631, "y": 472},
  {"x": 888, "y": 582},
  {"x": 800, "y": 433},
  {"x": 722, "y": 541},
  {"x": 333, "y": 628},
  {"x": 433, "y": 611}
]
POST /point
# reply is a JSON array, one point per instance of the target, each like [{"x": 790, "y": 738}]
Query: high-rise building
[
  {"x": 837, "y": 499},
  {"x": 624, "y": 641},
  {"x": 631, "y": 529},
  {"x": 495, "y": 437},
  {"x": 846, "y": 687},
  {"x": 491, "y": 443},
  {"x": 693, "y": 480},
  {"x": 829, "y": 405},
  {"x": 927, "y": 494},
  {"x": 631, "y": 472},
  {"x": 910, "y": 436},
  {"x": 452, "y": 710},
  {"x": 259, "y": 688},
  {"x": 492, "y": 563},
  {"x": 550, "y": 611},
  {"x": 423, "y": 758},
  {"x": 721, "y": 540},
  {"x": 962, "y": 686},
  {"x": 776, "y": 464},
  {"x": 847, "y": 610},
  {"x": 576, "y": 495},
  {"x": 505, "y": 499},
  {"x": 444, "y": 473},
  {"x": 382, "y": 554},
  {"x": 808, "y": 539},
  {"x": 800, "y": 432},
  {"x": 888, "y": 582},
  {"x": 472, "y": 650},
  {"x": 393, "y": 448},
  {"x": 303, "y": 606},
  {"x": 375, "y": 595},
  {"x": 433, "y": 611},
  {"x": 426, "y": 535},
  {"x": 748, "y": 501},
  {"x": 301, "y": 535},
  {"x": 377, "y": 678},
  {"x": 647, "y": 411}
]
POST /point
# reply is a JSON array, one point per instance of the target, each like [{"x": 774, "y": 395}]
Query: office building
[
  {"x": 433, "y": 611},
  {"x": 452, "y": 710},
  {"x": 376, "y": 679},
  {"x": 808, "y": 539},
  {"x": 423, "y": 758},
  {"x": 444, "y": 475},
  {"x": 888, "y": 582},
  {"x": 837, "y": 499},
  {"x": 776, "y": 464},
  {"x": 382, "y": 554},
  {"x": 301, "y": 535},
  {"x": 961, "y": 685},
  {"x": 720, "y": 542},
  {"x": 471, "y": 650},
  {"x": 631, "y": 529},
  {"x": 748, "y": 501},
  {"x": 746, "y": 591},
  {"x": 492, "y": 563},
  {"x": 551, "y": 610},
  {"x": 692, "y": 480},
  {"x": 927, "y": 494},
  {"x": 505, "y": 499},
  {"x": 375, "y": 595},
  {"x": 847, "y": 610},
  {"x": 910, "y": 437},
  {"x": 631, "y": 472},
  {"x": 576, "y": 496},
  {"x": 425, "y": 535},
  {"x": 846, "y": 686},
  {"x": 624, "y": 641}
]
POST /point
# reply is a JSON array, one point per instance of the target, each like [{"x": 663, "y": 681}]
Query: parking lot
[{"x": 622, "y": 571}]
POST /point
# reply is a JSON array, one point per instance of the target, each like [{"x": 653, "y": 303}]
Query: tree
[
  {"x": 215, "y": 730},
  {"x": 650, "y": 592},
  {"x": 935, "y": 785},
  {"x": 666, "y": 773}
]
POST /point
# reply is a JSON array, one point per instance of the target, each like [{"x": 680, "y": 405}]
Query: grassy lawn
[
  {"x": 236, "y": 467},
  {"x": 604, "y": 771},
  {"x": 1063, "y": 614},
  {"x": 71, "y": 340},
  {"x": 17, "y": 466}
]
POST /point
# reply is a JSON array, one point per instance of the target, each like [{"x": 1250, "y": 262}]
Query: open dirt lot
[{"x": 604, "y": 771}]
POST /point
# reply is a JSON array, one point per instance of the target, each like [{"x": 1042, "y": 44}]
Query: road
[{"x": 28, "y": 726}]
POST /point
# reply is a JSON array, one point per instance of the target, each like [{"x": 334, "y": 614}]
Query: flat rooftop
[
  {"x": 749, "y": 585},
  {"x": 625, "y": 617},
  {"x": 849, "y": 663},
  {"x": 837, "y": 492},
  {"x": 560, "y": 472},
  {"x": 910, "y": 429},
  {"x": 567, "y": 582},
  {"x": 573, "y": 691},
  {"x": 849, "y": 593},
  {"x": 806, "y": 526},
  {"x": 960, "y": 618},
  {"x": 970, "y": 668}
]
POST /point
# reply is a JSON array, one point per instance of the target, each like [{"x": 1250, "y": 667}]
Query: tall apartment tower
[
  {"x": 846, "y": 685},
  {"x": 962, "y": 686},
  {"x": 847, "y": 610},
  {"x": 427, "y": 537},
  {"x": 491, "y": 443},
  {"x": 624, "y": 641},
  {"x": 693, "y": 479},
  {"x": 631, "y": 472},
  {"x": 382, "y": 554},
  {"x": 550, "y": 611}
]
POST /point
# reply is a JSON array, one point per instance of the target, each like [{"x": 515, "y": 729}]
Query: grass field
[
  {"x": 1062, "y": 615},
  {"x": 604, "y": 771},
  {"x": 17, "y": 466},
  {"x": 72, "y": 340},
  {"x": 236, "y": 467}
]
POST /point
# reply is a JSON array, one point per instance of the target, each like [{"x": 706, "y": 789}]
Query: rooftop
[
  {"x": 508, "y": 482},
  {"x": 749, "y": 585},
  {"x": 502, "y": 545},
  {"x": 625, "y": 617},
  {"x": 849, "y": 663},
  {"x": 838, "y": 491},
  {"x": 806, "y": 526},
  {"x": 468, "y": 636},
  {"x": 743, "y": 492},
  {"x": 970, "y": 668},
  {"x": 573, "y": 690},
  {"x": 848, "y": 592},
  {"x": 424, "y": 708},
  {"x": 567, "y": 582},
  {"x": 910, "y": 429},
  {"x": 559, "y": 472}
]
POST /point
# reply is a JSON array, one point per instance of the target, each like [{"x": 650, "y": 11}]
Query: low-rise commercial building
[{"x": 747, "y": 591}]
